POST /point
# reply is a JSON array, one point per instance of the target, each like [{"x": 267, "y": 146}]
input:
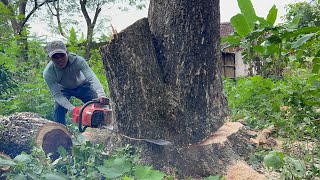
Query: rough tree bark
[{"x": 165, "y": 83}]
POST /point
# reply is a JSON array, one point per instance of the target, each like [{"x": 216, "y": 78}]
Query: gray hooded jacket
[{"x": 76, "y": 72}]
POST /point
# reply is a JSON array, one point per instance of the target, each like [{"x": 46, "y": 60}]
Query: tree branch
[
  {"x": 85, "y": 12},
  {"x": 51, "y": 9},
  {"x": 14, "y": 22},
  {"x": 98, "y": 10},
  {"x": 32, "y": 12}
]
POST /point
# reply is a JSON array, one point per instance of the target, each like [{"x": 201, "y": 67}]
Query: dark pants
[{"x": 83, "y": 92}]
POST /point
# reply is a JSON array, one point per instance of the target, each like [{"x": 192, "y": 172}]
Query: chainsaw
[
  {"x": 98, "y": 114},
  {"x": 95, "y": 114}
]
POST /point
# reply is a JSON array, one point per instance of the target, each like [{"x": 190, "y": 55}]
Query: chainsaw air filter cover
[
  {"x": 97, "y": 118},
  {"x": 96, "y": 115}
]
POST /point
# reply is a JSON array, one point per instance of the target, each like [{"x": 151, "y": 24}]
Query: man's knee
[{"x": 60, "y": 114}]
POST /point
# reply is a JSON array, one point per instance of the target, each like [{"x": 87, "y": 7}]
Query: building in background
[{"x": 233, "y": 65}]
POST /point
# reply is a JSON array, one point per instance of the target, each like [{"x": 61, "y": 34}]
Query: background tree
[
  {"x": 58, "y": 8},
  {"x": 7, "y": 84},
  {"x": 18, "y": 13},
  {"x": 309, "y": 13},
  {"x": 67, "y": 13}
]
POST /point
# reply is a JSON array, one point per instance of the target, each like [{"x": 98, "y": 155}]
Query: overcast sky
[{"x": 228, "y": 8}]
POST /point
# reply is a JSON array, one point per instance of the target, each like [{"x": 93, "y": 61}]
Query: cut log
[
  {"x": 19, "y": 131},
  {"x": 51, "y": 136}
]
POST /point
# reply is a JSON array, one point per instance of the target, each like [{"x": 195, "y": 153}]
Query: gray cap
[{"x": 56, "y": 47}]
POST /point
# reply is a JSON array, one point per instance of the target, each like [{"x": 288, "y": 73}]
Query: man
[{"x": 66, "y": 75}]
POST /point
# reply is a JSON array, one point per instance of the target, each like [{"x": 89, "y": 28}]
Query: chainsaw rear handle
[{"x": 81, "y": 111}]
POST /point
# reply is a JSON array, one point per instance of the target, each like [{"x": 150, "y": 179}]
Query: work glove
[{"x": 75, "y": 114}]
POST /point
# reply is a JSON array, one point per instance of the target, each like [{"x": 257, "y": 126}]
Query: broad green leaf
[
  {"x": 259, "y": 49},
  {"x": 272, "y": 15},
  {"x": 76, "y": 152},
  {"x": 297, "y": 167},
  {"x": 231, "y": 39},
  {"x": 127, "y": 178},
  {"x": 33, "y": 175},
  {"x": 271, "y": 49},
  {"x": 62, "y": 151},
  {"x": 148, "y": 173},
  {"x": 54, "y": 176},
  {"x": 300, "y": 31},
  {"x": 302, "y": 40},
  {"x": 240, "y": 25},
  {"x": 254, "y": 35},
  {"x": 309, "y": 59},
  {"x": 248, "y": 11},
  {"x": 22, "y": 158},
  {"x": 318, "y": 54},
  {"x": 7, "y": 162},
  {"x": 20, "y": 177},
  {"x": 294, "y": 23},
  {"x": 212, "y": 178},
  {"x": 274, "y": 39},
  {"x": 4, "y": 10},
  {"x": 114, "y": 168},
  {"x": 316, "y": 68},
  {"x": 263, "y": 22},
  {"x": 274, "y": 160},
  {"x": 21, "y": 16}
]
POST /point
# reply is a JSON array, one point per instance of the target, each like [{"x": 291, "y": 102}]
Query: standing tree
[
  {"x": 90, "y": 10},
  {"x": 57, "y": 11},
  {"x": 19, "y": 12},
  {"x": 164, "y": 75},
  {"x": 308, "y": 13}
]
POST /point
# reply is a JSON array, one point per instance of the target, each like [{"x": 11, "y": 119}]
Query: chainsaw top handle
[{"x": 81, "y": 111}]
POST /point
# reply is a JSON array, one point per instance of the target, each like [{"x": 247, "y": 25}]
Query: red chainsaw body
[{"x": 94, "y": 115}]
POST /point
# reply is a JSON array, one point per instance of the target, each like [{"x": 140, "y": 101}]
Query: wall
[{"x": 241, "y": 68}]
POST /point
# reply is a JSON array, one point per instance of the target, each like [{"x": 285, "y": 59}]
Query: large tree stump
[
  {"x": 221, "y": 153},
  {"x": 21, "y": 131},
  {"x": 167, "y": 85}
]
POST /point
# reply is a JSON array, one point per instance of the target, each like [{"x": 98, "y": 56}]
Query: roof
[{"x": 226, "y": 29}]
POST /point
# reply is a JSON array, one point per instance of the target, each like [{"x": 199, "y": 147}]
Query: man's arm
[
  {"x": 55, "y": 90},
  {"x": 91, "y": 77}
]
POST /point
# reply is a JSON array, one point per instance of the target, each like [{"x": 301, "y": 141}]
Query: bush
[{"x": 291, "y": 104}]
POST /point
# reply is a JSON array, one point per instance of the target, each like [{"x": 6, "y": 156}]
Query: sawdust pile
[{"x": 242, "y": 171}]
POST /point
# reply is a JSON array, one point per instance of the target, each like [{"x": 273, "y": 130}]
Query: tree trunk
[
  {"x": 186, "y": 37},
  {"x": 169, "y": 80},
  {"x": 90, "y": 25},
  {"x": 21, "y": 131},
  {"x": 164, "y": 76}
]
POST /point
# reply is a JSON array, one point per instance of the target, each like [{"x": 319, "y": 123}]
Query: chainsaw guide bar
[{"x": 159, "y": 142}]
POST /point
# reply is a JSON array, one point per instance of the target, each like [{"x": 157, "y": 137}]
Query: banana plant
[
  {"x": 269, "y": 48},
  {"x": 250, "y": 32}
]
